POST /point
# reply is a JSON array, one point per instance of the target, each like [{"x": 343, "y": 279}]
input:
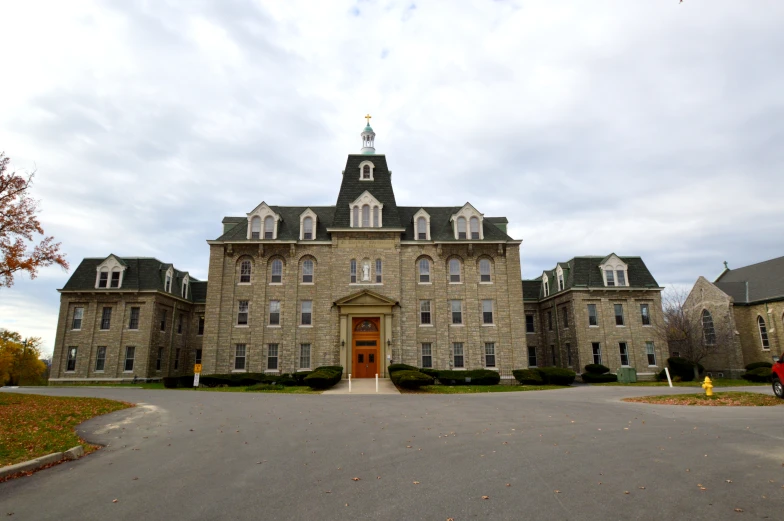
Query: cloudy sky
[{"x": 646, "y": 128}]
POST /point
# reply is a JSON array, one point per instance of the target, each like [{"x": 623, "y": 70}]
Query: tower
[{"x": 368, "y": 138}]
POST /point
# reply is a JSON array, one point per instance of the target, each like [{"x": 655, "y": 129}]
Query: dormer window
[
  {"x": 422, "y": 225},
  {"x": 103, "y": 278},
  {"x": 545, "y": 285},
  {"x": 307, "y": 229},
  {"x": 609, "y": 275},
  {"x": 185, "y": 281},
  {"x": 255, "y": 228},
  {"x": 474, "y": 228},
  {"x": 421, "y": 229},
  {"x": 168, "y": 284},
  {"x": 269, "y": 228},
  {"x": 110, "y": 273},
  {"x": 467, "y": 224},
  {"x": 366, "y": 171},
  {"x": 366, "y": 212},
  {"x": 263, "y": 223},
  {"x": 307, "y": 225},
  {"x": 461, "y": 228},
  {"x": 614, "y": 271},
  {"x": 366, "y": 216},
  {"x": 560, "y": 282}
]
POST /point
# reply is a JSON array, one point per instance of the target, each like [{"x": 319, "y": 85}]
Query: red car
[{"x": 778, "y": 377}]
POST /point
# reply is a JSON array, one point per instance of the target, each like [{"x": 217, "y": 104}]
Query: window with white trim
[
  {"x": 457, "y": 355},
  {"x": 489, "y": 354},
  {"x": 245, "y": 270},
  {"x": 376, "y": 220},
  {"x": 560, "y": 282},
  {"x": 274, "y": 313},
  {"x": 366, "y": 216},
  {"x": 457, "y": 311},
  {"x": 184, "y": 292},
  {"x": 269, "y": 227},
  {"x": 133, "y": 323},
  {"x": 651, "y": 353},
  {"x": 115, "y": 282},
  {"x": 487, "y": 312},
  {"x": 379, "y": 271},
  {"x": 610, "y": 277},
  {"x": 424, "y": 271},
  {"x": 353, "y": 271},
  {"x": 242, "y": 313},
  {"x": 168, "y": 284},
  {"x": 304, "y": 356},
  {"x": 272, "y": 356},
  {"x": 427, "y": 355},
  {"x": 620, "y": 277},
  {"x": 421, "y": 229},
  {"x": 593, "y": 318},
  {"x": 424, "y": 312},
  {"x": 239, "y": 357},
  {"x": 307, "y": 271},
  {"x": 130, "y": 352},
  {"x": 596, "y": 347},
  {"x": 355, "y": 217},
  {"x": 531, "y": 356},
  {"x": 255, "y": 227},
  {"x": 474, "y": 223},
  {"x": 70, "y": 364},
  {"x": 306, "y": 313},
  {"x": 763, "y": 331},
  {"x": 461, "y": 228},
  {"x": 276, "y": 276},
  {"x": 103, "y": 278},
  {"x": 485, "y": 270},
  {"x": 624, "y": 351},
  {"x": 645, "y": 314},
  {"x": 78, "y": 315},
  {"x": 546, "y": 285},
  {"x": 106, "y": 318},
  {"x": 454, "y": 271},
  {"x": 100, "y": 358},
  {"x": 366, "y": 172},
  {"x": 618, "y": 314},
  {"x": 307, "y": 228}
]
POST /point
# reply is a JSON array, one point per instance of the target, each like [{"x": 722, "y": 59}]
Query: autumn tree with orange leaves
[{"x": 19, "y": 226}]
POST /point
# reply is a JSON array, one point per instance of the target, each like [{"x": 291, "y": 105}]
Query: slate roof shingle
[{"x": 754, "y": 283}]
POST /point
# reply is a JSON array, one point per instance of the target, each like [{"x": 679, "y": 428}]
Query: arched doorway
[{"x": 365, "y": 340}]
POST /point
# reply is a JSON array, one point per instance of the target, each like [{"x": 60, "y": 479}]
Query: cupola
[{"x": 368, "y": 138}]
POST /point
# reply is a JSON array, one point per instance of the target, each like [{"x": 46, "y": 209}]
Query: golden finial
[{"x": 368, "y": 118}]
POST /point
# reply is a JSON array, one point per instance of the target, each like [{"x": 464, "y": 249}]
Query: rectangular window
[
  {"x": 130, "y": 351},
  {"x": 100, "y": 358},
  {"x": 245, "y": 271},
  {"x": 133, "y": 323},
  {"x": 458, "y": 359},
  {"x": 427, "y": 355},
  {"x": 597, "y": 352},
  {"x": 201, "y": 326},
  {"x": 103, "y": 279},
  {"x": 549, "y": 320},
  {"x": 624, "y": 353},
  {"x": 115, "y": 279},
  {"x": 593, "y": 318},
  {"x": 424, "y": 312},
  {"x": 565, "y": 314},
  {"x": 457, "y": 311},
  {"x": 487, "y": 311},
  {"x": 304, "y": 356},
  {"x": 159, "y": 361},
  {"x": 307, "y": 313},
  {"x": 272, "y": 356},
  {"x": 610, "y": 277},
  {"x": 198, "y": 356},
  {"x": 552, "y": 351},
  {"x": 618, "y": 314},
  {"x": 645, "y": 315},
  {"x": 531, "y": 356},
  {"x": 353, "y": 267},
  {"x": 489, "y": 354},
  {"x": 529, "y": 324},
  {"x": 70, "y": 364},
  {"x": 163, "y": 320},
  {"x": 621, "y": 276},
  {"x": 242, "y": 313},
  {"x": 179, "y": 324},
  {"x": 378, "y": 271},
  {"x": 177, "y": 358},
  {"x": 274, "y": 315},
  {"x": 568, "y": 354},
  {"x": 651, "y": 353},
  {"x": 276, "y": 277},
  {"x": 106, "y": 318},
  {"x": 78, "y": 315},
  {"x": 239, "y": 357}
]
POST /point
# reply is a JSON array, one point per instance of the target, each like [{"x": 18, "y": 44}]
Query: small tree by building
[{"x": 20, "y": 362}]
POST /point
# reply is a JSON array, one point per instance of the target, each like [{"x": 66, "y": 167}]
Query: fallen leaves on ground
[{"x": 726, "y": 399}]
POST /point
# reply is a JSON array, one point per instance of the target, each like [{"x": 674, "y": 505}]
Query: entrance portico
[{"x": 365, "y": 333}]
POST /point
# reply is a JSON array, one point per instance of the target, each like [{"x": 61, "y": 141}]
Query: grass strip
[{"x": 727, "y": 399}]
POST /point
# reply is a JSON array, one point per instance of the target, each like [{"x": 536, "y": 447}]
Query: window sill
[
  {"x": 273, "y": 327},
  {"x": 200, "y": 334},
  {"x": 596, "y": 326},
  {"x": 243, "y": 284},
  {"x": 102, "y": 329},
  {"x": 307, "y": 283},
  {"x": 101, "y": 371},
  {"x": 425, "y": 283},
  {"x": 241, "y": 326},
  {"x": 647, "y": 325},
  {"x": 306, "y": 326},
  {"x": 365, "y": 283},
  {"x": 303, "y": 370},
  {"x": 486, "y": 282},
  {"x": 455, "y": 283},
  {"x": 616, "y": 325},
  {"x": 456, "y": 325},
  {"x": 488, "y": 325},
  {"x": 271, "y": 371},
  {"x": 128, "y": 372},
  {"x": 491, "y": 368},
  {"x": 239, "y": 370},
  {"x": 132, "y": 329},
  {"x": 275, "y": 283},
  {"x": 76, "y": 329},
  {"x": 425, "y": 325},
  {"x": 459, "y": 369}
]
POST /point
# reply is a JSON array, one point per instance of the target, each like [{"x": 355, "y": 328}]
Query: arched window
[
  {"x": 424, "y": 270},
  {"x": 366, "y": 216},
  {"x": 375, "y": 218},
  {"x": 185, "y": 288},
  {"x": 255, "y": 228},
  {"x": 355, "y": 215},
  {"x": 245, "y": 272},
  {"x": 115, "y": 282},
  {"x": 474, "y": 228},
  {"x": 708, "y": 332},
  {"x": 484, "y": 270},
  {"x": 461, "y": 228},
  {"x": 763, "y": 333},
  {"x": 277, "y": 272},
  {"x": 167, "y": 286},
  {"x": 307, "y": 228},
  {"x": 454, "y": 270},
  {"x": 269, "y": 227},
  {"x": 353, "y": 271},
  {"x": 422, "y": 229},
  {"x": 366, "y": 172},
  {"x": 307, "y": 271}
]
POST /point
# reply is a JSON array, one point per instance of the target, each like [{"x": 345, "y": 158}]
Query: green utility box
[{"x": 627, "y": 375}]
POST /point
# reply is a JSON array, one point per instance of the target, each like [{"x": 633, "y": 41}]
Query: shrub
[
  {"x": 680, "y": 367},
  {"x": 429, "y": 371},
  {"x": 174, "y": 382},
  {"x": 760, "y": 374},
  {"x": 528, "y": 376},
  {"x": 299, "y": 377},
  {"x": 596, "y": 378},
  {"x": 411, "y": 379},
  {"x": 474, "y": 377},
  {"x": 557, "y": 376},
  {"x": 597, "y": 369},
  {"x": 287, "y": 380},
  {"x": 757, "y": 365},
  {"x": 171, "y": 382},
  {"x": 324, "y": 377},
  {"x": 400, "y": 367},
  {"x": 662, "y": 376},
  {"x": 485, "y": 377},
  {"x": 265, "y": 387}
]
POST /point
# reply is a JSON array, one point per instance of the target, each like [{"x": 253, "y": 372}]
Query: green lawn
[
  {"x": 718, "y": 382},
  {"x": 728, "y": 399},
  {"x": 33, "y": 425},
  {"x": 465, "y": 389}
]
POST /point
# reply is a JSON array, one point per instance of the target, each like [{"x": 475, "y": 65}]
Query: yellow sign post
[
  {"x": 196, "y": 373},
  {"x": 197, "y": 368}
]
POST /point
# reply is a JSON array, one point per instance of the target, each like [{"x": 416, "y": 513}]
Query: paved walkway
[{"x": 364, "y": 386}]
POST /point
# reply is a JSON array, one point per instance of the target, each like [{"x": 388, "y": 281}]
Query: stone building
[
  {"x": 594, "y": 310},
  {"x": 742, "y": 316}
]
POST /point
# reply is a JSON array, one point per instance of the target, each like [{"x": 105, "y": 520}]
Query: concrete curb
[{"x": 37, "y": 463}]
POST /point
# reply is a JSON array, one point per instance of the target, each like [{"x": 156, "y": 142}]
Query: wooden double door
[{"x": 365, "y": 344}]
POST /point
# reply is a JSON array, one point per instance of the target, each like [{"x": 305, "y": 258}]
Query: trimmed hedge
[
  {"x": 757, "y": 365},
  {"x": 324, "y": 377},
  {"x": 557, "y": 376},
  {"x": 429, "y": 371},
  {"x": 474, "y": 377},
  {"x": 597, "y": 369},
  {"x": 597, "y": 378},
  {"x": 411, "y": 379},
  {"x": 528, "y": 376},
  {"x": 400, "y": 367},
  {"x": 760, "y": 374}
]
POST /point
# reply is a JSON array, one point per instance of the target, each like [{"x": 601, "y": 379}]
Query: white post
[
  {"x": 667, "y": 372},
  {"x": 376, "y": 382},
  {"x": 349, "y": 382}
]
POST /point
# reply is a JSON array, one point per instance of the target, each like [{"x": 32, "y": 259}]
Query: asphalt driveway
[{"x": 575, "y": 453}]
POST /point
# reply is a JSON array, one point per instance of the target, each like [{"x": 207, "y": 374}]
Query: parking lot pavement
[{"x": 576, "y": 453}]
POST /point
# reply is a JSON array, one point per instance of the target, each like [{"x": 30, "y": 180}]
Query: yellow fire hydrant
[{"x": 708, "y": 386}]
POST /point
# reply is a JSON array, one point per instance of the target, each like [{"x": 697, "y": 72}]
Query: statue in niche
[{"x": 366, "y": 271}]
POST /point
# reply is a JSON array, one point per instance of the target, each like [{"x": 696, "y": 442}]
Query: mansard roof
[
  {"x": 352, "y": 187},
  {"x": 754, "y": 283},
  {"x": 584, "y": 272},
  {"x": 141, "y": 274},
  {"x": 441, "y": 226},
  {"x": 288, "y": 227}
]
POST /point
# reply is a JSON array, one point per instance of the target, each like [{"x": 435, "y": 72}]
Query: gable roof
[{"x": 757, "y": 282}]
